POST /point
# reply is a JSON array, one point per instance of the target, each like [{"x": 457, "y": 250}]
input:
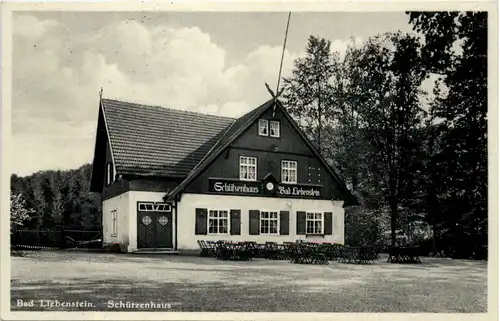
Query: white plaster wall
[
  {"x": 119, "y": 203},
  {"x": 138, "y": 196},
  {"x": 189, "y": 202}
]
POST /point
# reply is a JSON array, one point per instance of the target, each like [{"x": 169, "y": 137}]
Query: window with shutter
[
  {"x": 254, "y": 223},
  {"x": 268, "y": 223},
  {"x": 328, "y": 220},
  {"x": 284, "y": 222},
  {"x": 201, "y": 221},
  {"x": 314, "y": 223},
  {"x": 218, "y": 221},
  {"x": 301, "y": 223},
  {"x": 235, "y": 222}
]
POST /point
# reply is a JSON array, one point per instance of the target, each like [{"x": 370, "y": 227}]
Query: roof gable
[
  {"x": 239, "y": 126},
  {"x": 156, "y": 141},
  {"x": 237, "y": 130}
]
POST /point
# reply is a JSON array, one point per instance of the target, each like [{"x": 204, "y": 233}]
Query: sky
[{"x": 214, "y": 63}]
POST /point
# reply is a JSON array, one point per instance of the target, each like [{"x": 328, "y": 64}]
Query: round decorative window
[
  {"x": 146, "y": 220},
  {"x": 163, "y": 220}
]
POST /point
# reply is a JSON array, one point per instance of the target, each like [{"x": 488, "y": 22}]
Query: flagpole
[
  {"x": 281, "y": 62},
  {"x": 283, "y": 52}
]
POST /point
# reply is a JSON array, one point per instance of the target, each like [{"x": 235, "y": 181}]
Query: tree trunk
[
  {"x": 434, "y": 233},
  {"x": 474, "y": 237},
  {"x": 354, "y": 182},
  {"x": 394, "y": 214}
]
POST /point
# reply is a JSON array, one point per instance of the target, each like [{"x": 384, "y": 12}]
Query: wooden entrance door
[{"x": 154, "y": 229}]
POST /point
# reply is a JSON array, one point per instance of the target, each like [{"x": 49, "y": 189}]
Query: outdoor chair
[
  {"x": 306, "y": 254},
  {"x": 318, "y": 256},
  {"x": 203, "y": 249},
  {"x": 301, "y": 254},
  {"x": 210, "y": 248},
  {"x": 365, "y": 255},
  {"x": 232, "y": 251},
  {"x": 271, "y": 251},
  {"x": 347, "y": 255}
]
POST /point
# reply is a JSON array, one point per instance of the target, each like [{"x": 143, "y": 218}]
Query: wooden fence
[{"x": 54, "y": 239}]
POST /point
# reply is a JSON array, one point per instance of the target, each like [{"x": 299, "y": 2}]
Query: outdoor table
[
  {"x": 404, "y": 255},
  {"x": 258, "y": 249},
  {"x": 331, "y": 251},
  {"x": 307, "y": 254},
  {"x": 275, "y": 251},
  {"x": 232, "y": 251},
  {"x": 357, "y": 254}
]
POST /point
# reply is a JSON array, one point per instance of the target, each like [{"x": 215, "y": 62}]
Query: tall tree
[
  {"x": 373, "y": 114},
  {"x": 345, "y": 144},
  {"x": 307, "y": 90},
  {"x": 456, "y": 48},
  {"x": 392, "y": 114}
]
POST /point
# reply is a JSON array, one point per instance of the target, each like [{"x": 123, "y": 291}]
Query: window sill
[
  {"x": 248, "y": 180},
  {"x": 218, "y": 234},
  {"x": 289, "y": 183},
  {"x": 319, "y": 234},
  {"x": 267, "y": 234}
]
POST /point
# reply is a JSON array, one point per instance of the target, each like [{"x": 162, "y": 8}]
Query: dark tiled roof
[
  {"x": 233, "y": 131},
  {"x": 157, "y": 141}
]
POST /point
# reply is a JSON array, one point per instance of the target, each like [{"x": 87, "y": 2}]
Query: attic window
[
  {"x": 263, "y": 127},
  {"x": 275, "y": 128}
]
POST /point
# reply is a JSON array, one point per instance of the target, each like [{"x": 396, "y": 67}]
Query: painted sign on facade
[
  {"x": 259, "y": 188},
  {"x": 220, "y": 186}
]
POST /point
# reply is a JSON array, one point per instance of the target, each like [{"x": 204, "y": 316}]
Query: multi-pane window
[
  {"x": 114, "y": 225},
  {"x": 274, "y": 130},
  {"x": 263, "y": 127},
  {"x": 268, "y": 222},
  {"x": 218, "y": 222},
  {"x": 314, "y": 223},
  {"x": 289, "y": 172},
  {"x": 248, "y": 168},
  {"x": 154, "y": 207}
]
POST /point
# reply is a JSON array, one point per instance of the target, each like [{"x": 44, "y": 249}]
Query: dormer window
[
  {"x": 274, "y": 131},
  {"x": 263, "y": 127}
]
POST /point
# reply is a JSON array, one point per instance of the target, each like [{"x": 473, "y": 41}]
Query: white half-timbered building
[{"x": 169, "y": 178}]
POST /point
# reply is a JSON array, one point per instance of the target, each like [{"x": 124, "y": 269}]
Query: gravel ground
[{"x": 186, "y": 283}]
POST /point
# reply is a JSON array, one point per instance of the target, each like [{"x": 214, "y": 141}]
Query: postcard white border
[{"x": 214, "y": 6}]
